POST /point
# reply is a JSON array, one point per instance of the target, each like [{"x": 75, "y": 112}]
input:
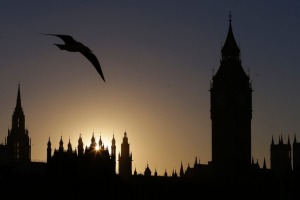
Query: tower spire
[
  {"x": 18, "y": 118},
  {"x": 230, "y": 50},
  {"x": 19, "y": 97}
]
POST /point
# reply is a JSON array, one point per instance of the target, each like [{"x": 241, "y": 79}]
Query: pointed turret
[
  {"x": 61, "y": 144},
  {"x": 147, "y": 171},
  {"x": 113, "y": 141},
  {"x": 19, "y": 97},
  {"x": 100, "y": 141},
  {"x": 174, "y": 173},
  {"x": 280, "y": 139},
  {"x": 113, "y": 147},
  {"x": 195, "y": 162},
  {"x": 265, "y": 165},
  {"x": 135, "y": 172},
  {"x": 155, "y": 172},
  {"x": 230, "y": 50},
  {"x": 93, "y": 142},
  {"x": 231, "y": 72},
  {"x": 181, "y": 173},
  {"x": 18, "y": 119},
  {"x": 69, "y": 146},
  {"x": 49, "y": 151},
  {"x": 49, "y": 143},
  {"x": 80, "y": 146}
]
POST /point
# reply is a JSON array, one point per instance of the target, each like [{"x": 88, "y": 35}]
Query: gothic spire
[
  {"x": 49, "y": 143},
  {"x": 280, "y": 139},
  {"x": 113, "y": 141},
  {"x": 113, "y": 146},
  {"x": 18, "y": 97},
  {"x": 18, "y": 118},
  {"x": 272, "y": 143},
  {"x": 100, "y": 141},
  {"x": 93, "y": 143},
  {"x": 264, "y": 166},
  {"x": 230, "y": 50},
  {"x": 69, "y": 146},
  {"x": 61, "y": 144},
  {"x": 181, "y": 170}
]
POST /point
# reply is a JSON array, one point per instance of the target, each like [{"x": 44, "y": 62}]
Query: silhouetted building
[
  {"x": 296, "y": 155},
  {"x": 18, "y": 141},
  {"x": 232, "y": 173},
  {"x": 281, "y": 160},
  {"x": 198, "y": 171},
  {"x": 147, "y": 171},
  {"x": 17, "y": 147},
  {"x": 15, "y": 153},
  {"x": 94, "y": 161},
  {"x": 125, "y": 158},
  {"x": 231, "y": 112}
]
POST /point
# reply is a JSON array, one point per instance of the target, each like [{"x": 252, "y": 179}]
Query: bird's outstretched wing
[
  {"x": 66, "y": 38},
  {"x": 93, "y": 59},
  {"x": 74, "y": 46}
]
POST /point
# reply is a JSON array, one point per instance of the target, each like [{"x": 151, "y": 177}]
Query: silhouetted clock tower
[{"x": 231, "y": 111}]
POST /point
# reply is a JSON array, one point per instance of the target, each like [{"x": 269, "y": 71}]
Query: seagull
[{"x": 75, "y": 46}]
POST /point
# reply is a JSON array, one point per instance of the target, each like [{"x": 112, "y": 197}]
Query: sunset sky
[{"x": 158, "y": 58}]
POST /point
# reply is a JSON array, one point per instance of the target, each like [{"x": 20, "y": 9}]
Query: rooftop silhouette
[{"x": 232, "y": 172}]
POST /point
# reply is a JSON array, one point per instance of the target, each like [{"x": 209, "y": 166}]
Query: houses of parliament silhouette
[{"x": 90, "y": 171}]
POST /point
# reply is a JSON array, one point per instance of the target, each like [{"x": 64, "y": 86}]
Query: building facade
[
  {"x": 231, "y": 111},
  {"x": 125, "y": 158},
  {"x": 95, "y": 160},
  {"x": 17, "y": 147}
]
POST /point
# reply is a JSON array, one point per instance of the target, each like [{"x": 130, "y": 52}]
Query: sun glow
[{"x": 97, "y": 148}]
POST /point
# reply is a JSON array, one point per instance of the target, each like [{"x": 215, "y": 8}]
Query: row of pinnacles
[
  {"x": 285, "y": 158},
  {"x": 284, "y": 162},
  {"x": 92, "y": 161}
]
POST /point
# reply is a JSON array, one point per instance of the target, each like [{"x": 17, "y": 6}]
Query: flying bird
[{"x": 75, "y": 46}]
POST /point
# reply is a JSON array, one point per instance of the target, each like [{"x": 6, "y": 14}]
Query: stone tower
[
  {"x": 231, "y": 111},
  {"x": 18, "y": 141},
  {"x": 125, "y": 158}
]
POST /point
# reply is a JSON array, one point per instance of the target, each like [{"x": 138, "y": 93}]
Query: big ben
[{"x": 231, "y": 111}]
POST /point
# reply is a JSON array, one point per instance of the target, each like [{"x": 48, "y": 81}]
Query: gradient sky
[{"x": 158, "y": 58}]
